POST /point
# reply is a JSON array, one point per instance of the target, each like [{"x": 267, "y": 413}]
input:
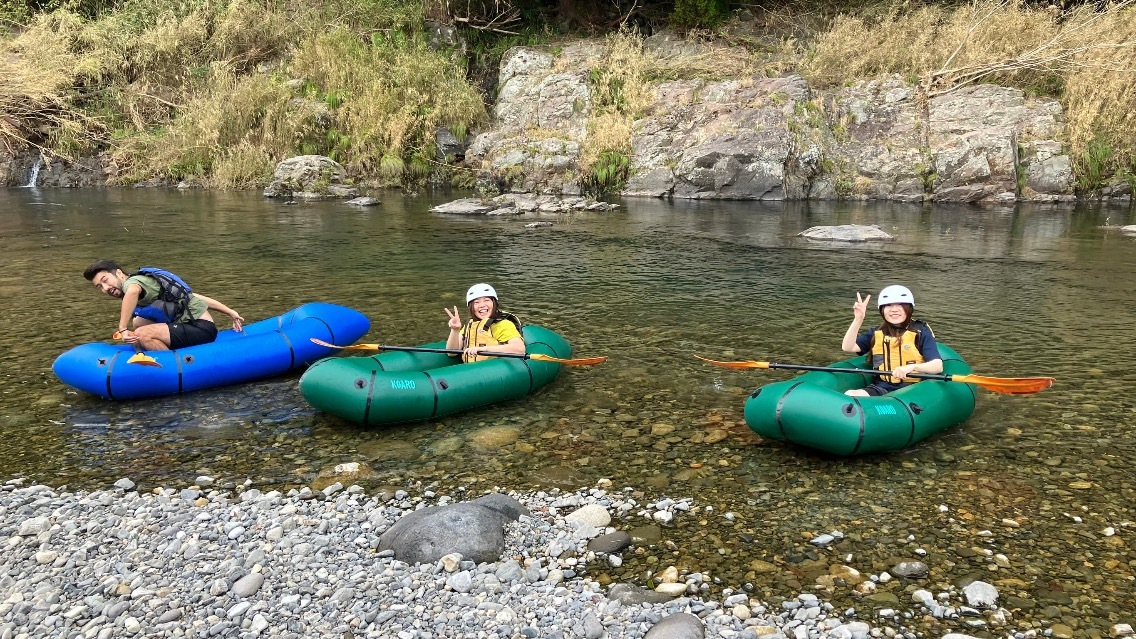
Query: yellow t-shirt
[{"x": 504, "y": 330}]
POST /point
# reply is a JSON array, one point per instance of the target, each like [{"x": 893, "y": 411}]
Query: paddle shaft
[
  {"x": 449, "y": 351},
  {"x": 539, "y": 357},
  {"x": 866, "y": 371}
]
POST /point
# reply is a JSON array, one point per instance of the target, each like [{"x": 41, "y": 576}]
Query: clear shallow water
[{"x": 1026, "y": 291}]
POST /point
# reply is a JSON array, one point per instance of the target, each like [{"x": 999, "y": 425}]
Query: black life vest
[{"x": 173, "y": 298}]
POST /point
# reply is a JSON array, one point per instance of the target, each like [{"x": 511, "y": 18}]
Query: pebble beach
[
  {"x": 205, "y": 562},
  {"x": 200, "y": 563}
]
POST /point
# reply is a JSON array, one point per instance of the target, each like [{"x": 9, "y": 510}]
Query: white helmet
[
  {"x": 895, "y": 294},
  {"x": 479, "y": 290}
]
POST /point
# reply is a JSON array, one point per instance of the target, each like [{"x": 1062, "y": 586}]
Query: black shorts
[
  {"x": 882, "y": 388},
  {"x": 192, "y": 333}
]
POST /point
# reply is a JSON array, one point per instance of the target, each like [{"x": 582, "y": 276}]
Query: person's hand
[
  {"x": 903, "y": 371},
  {"x": 238, "y": 321},
  {"x": 471, "y": 352},
  {"x": 455, "y": 322},
  {"x": 128, "y": 336},
  {"x": 860, "y": 308}
]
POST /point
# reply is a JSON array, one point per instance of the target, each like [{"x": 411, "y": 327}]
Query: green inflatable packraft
[
  {"x": 397, "y": 386},
  {"x": 812, "y": 410}
]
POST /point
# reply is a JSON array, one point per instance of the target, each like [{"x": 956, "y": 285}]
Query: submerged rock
[{"x": 846, "y": 233}]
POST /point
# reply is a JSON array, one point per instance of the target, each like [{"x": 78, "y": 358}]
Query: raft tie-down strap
[
  {"x": 110, "y": 367},
  {"x": 780, "y": 405},
  {"x": 370, "y": 394},
  {"x": 911, "y": 414},
  {"x": 291, "y": 349},
  {"x": 863, "y": 424},
  {"x": 434, "y": 389},
  {"x": 528, "y": 369},
  {"x": 330, "y": 331},
  {"x": 177, "y": 358}
]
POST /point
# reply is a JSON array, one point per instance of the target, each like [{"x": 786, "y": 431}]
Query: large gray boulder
[
  {"x": 878, "y": 145},
  {"x": 476, "y": 529},
  {"x": 310, "y": 177},
  {"x": 682, "y": 625},
  {"x": 718, "y": 140},
  {"x": 975, "y": 134},
  {"x": 534, "y": 100}
]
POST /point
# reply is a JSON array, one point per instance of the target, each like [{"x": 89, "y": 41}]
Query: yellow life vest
[
  {"x": 889, "y": 353},
  {"x": 478, "y": 333}
]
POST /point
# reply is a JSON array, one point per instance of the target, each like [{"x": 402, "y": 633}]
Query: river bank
[
  {"x": 197, "y": 561},
  {"x": 201, "y": 562}
]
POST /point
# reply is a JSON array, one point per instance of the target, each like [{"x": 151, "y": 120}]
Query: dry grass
[
  {"x": 621, "y": 93},
  {"x": 230, "y": 134},
  {"x": 606, "y": 132},
  {"x": 1086, "y": 58},
  {"x": 196, "y": 90},
  {"x": 927, "y": 40},
  {"x": 1100, "y": 96},
  {"x": 395, "y": 94},
  {"x": 36, "y": 76}
]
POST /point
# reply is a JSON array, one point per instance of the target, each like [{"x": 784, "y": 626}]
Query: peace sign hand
[
  {"x": 860, "y": 308},
  {"x": 455, "y": 322}
]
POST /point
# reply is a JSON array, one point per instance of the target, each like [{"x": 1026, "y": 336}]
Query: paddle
[
  {"x": 1010, "y": 385},
  {"x": 586, "y": 361},
  {"x": 140, "y": 358}
]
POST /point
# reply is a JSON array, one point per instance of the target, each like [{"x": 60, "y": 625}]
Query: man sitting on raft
[
  {"x": 901, "y": 345},
  {"x": 159, "y": 311},
  {"x": 489, "y": 328}
]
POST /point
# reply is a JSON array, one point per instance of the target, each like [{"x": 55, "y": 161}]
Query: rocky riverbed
[{"x": 204, "y": 562}]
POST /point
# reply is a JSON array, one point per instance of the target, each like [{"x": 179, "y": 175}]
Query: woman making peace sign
[
  {"x": 489, "y": 328},
  {"x": 901, "y": 345}
]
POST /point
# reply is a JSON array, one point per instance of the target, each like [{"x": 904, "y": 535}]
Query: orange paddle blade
[
  {"x": 353, "y": 347},
  {"x": 1008, "y": 385},
  {"x": 583, "y": 361},
  {"x": 750, "y": 364}
]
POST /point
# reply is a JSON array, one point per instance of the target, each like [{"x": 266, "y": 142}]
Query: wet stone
[
  {"x": 910, "y": 569},
  {"x": 611, "y": 542},
  {"x": 645, "y": 535}
]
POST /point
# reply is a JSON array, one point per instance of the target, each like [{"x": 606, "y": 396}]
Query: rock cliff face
[{"x": 759, "y": 138}]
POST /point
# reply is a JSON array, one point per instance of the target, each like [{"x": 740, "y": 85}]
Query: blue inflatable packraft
[{"x": 269, "y": 347}]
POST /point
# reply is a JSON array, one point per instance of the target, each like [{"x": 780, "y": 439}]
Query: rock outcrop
[
  {"x": 759, "y": 138},
  {"x": 310, "y": 177}
]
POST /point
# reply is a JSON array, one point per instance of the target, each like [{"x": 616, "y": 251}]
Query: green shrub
[
  {"x": 1094, "y": 166},
  {"x": 695, "y": 14},
  {"x": 608, "y": 174}
]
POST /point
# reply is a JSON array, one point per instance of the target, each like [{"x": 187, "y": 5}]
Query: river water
[{"x": 1034, "y": 493}]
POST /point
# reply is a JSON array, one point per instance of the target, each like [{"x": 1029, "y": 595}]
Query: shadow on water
[{"x": 1018, "y": 291}]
